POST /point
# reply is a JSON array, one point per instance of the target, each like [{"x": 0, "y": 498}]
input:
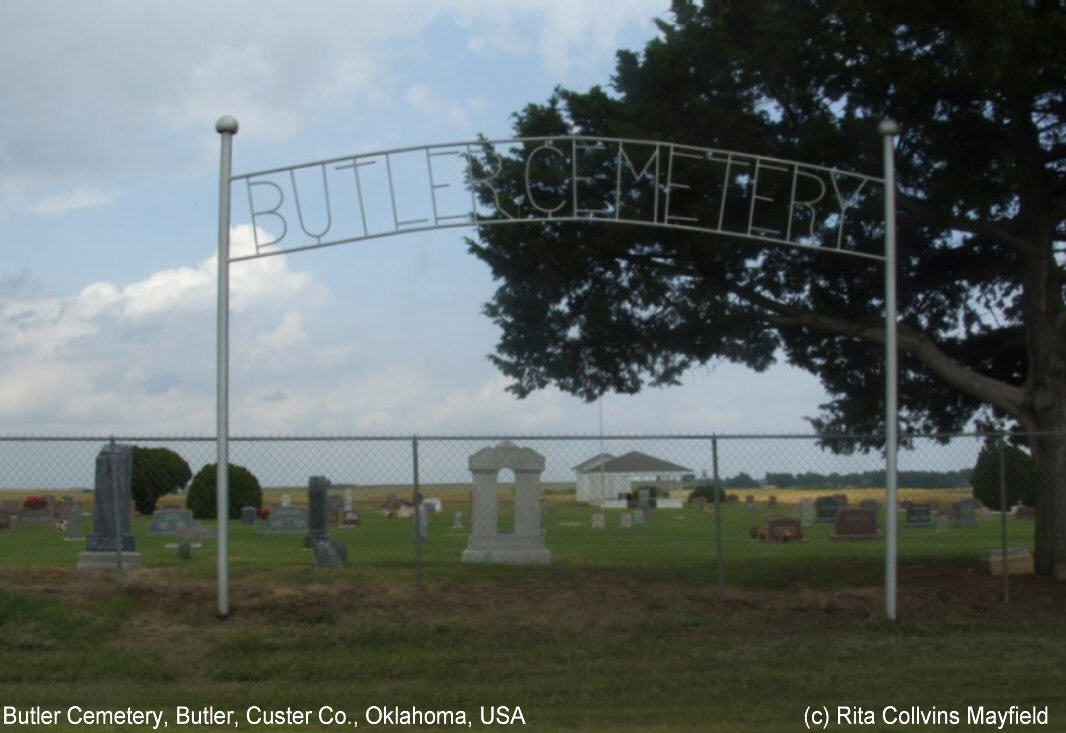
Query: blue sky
[{"x": 108, "y": 191}]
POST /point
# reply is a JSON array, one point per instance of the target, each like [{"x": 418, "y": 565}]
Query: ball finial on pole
[
  {"x": 887, "y": 126},
  {"x": 226, "y": 123}
]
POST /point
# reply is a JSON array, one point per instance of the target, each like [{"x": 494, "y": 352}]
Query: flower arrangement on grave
[{"x": 35, "y": 502}]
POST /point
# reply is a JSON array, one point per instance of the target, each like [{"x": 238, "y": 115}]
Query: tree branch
[
  {"x": 1008, "y": 397},
  {"x": 918, "y": 208}
]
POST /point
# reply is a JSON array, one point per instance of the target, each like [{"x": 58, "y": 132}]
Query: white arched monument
[{"x": 524, "y": 546}]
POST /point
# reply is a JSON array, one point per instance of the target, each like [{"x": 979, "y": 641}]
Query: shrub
[
  {"x": 156, "y": 471},
  {"x": 706, "y": 490},
  {"x": 1019, "y": 473},
  {"x": 244, "y": 490}
]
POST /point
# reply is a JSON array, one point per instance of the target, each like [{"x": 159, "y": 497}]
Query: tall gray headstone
[
  {"x": 248, "y": 515},
  {"x": 525, "y": 545},
  {"x": 111, "y": 499},
  {"x": 317, "y": 486}
]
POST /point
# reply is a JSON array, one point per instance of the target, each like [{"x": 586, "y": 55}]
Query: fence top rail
[{"x": 498, "y": 437}]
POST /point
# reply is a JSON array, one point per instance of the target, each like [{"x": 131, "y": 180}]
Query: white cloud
[
  {"x": 82, "y": 197},
  {"x": 92, "y": 90},
  {"x": 143, "y": 352}
]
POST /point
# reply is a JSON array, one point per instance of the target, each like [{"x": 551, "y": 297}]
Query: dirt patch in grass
[{"x": 577, "y": 598}]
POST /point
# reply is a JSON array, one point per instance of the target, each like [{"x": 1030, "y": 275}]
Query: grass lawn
[{"x": 624, "y": 631}]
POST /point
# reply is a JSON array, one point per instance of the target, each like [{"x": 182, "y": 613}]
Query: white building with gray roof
[{"x": 605, "y": 476}]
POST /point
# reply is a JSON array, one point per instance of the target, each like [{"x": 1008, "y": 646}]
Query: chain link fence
[{"x": 792, "y": 509}]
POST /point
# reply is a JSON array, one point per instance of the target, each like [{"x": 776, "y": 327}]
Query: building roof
[
  {"x": 593, "y": 462},
  {"x": 636, "y": 462}
]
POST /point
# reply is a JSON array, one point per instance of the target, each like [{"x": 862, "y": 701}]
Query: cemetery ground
[{"x": 625, "y": 630}]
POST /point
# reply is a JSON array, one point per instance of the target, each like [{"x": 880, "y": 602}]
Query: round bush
[
  {"x": 156, "y": 471},
  {"x": 244, "y": 490},
  {"x": 1020, "y": 477}
]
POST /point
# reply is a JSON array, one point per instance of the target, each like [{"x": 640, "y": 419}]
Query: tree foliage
[
  {"x": 156, "y": 471},
  {"x": 1018, "y": 474},
  {"x": 979, "y": 90},
  {"x": 244, "y": 490}
]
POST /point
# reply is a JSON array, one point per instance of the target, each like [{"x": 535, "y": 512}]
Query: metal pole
[
  {"x": 1003, "y": 518},
  {"x": 416, "y": 497},
  {"x": 113, "y": 464},
  {"x": 227, "y": 128},
  {"x": 719, "y": 558},
  {"x": 889, "y": 129}
]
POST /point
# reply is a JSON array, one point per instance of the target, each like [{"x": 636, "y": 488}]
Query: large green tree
[{"x": 977, "y": 87}]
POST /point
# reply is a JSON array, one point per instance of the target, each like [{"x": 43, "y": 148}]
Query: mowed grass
[{"x": 626, "y": 630}]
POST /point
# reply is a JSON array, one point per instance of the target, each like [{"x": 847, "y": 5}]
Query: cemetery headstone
[
  {"x": 783, "y": 529},
  {"x": 807, "y": 512},
  {"x": 643, "y": 498},
  {"x": 347, "y": 500},
  {"x": 285, "y": 519},
  {"x": 943, "y": 523},
  {"x": 329, "y": 554},
  {"x": 317, "y": 486},
  {"x": 638, "y": 517},
  {"x": 842, "y": 500},
  {"x": 966, "y": 513},
  {"x": 433, "y": 505},
  {"x": 625, "y": 520},
  {"x": 525, "y": 545},
  {"x": 248, "y": 515},
  {"x": 773, "y": 500},
  {"x": 855, "y": 524},
  {"x": 170, "y": 521},
  {"x": 391, "y": 506},
  {"x": 1024, "y": 512},
  {"x": 599, "y": 520},
  {"x": 286, "y": 499},
  {"x": 111, "y": 496},
  {"x": 457, "y": 520},
  {"x": 334, "y": 503},
  {"x": 36, "y": 517},
  {"x": 872, "y": 506},
  {"x": 825, "y": 508},
  {"x": 919, "y": 515},
  {"x": 350, "y": 518},
  {"x": 75, "y": 518}
]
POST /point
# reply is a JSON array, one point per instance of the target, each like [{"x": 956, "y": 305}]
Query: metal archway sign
[{"x": 423, "y": 188}]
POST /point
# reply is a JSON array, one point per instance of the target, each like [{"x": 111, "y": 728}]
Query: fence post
[
  {"x": 1003, "y": 517},
  {"x": 118, "y": 509},
  {"x": 719, "y": 558},
  {"x": 416, "y": 498}
]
